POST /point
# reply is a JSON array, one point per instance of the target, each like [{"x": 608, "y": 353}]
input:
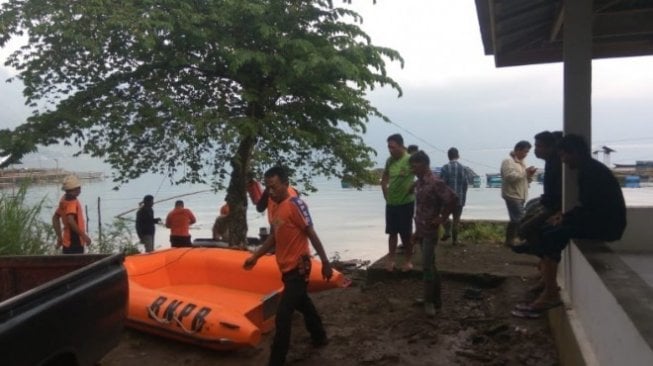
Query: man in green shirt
[{"x": 397, "y": 186}]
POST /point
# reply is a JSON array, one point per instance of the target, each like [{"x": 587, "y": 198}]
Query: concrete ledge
[
  {"x": 631, "y": 292},
  {"x": 611, "y": 319},
  {"x": 570, "y": 338}
]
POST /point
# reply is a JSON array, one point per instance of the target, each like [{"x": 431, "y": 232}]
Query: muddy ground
[{"x": 380, "y": 324}]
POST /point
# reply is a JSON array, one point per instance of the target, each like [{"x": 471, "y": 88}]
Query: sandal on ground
[
  {"x": 525, "y": 314},
  {"x": 540, "y": 307},
  {"x": 407, "y": 267},
  {"x": 523, "y": 248}
]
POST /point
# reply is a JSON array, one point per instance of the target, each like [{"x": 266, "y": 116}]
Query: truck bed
[{"x": 61, "y": 310}]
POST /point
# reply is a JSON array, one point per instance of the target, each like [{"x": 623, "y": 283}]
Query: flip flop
[
  {"x": 539, "y": 308},
  {"x": 526, "y": 314}
]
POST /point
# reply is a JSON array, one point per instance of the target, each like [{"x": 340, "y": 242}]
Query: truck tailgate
[{"x": 73, "y": 318}]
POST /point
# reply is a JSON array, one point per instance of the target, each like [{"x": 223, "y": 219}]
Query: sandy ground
[{"x": 380, "y": 323}]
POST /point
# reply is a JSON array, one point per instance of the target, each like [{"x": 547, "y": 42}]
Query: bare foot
[
  {"x": 390, "y": 266},
  {"x": 407, "y": 267}
]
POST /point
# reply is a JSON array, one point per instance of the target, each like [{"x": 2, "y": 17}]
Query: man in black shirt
[
  {"x": 600, "y": 215},
  {"x": 549, "y": 203},
  {"x": 145, "y": 223}
]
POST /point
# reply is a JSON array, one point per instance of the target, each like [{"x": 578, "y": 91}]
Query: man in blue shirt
[{"x": 455, "y": 176}]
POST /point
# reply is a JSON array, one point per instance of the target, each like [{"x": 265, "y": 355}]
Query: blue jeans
[
  {"x": 515, "y": 209},
  {"x": 148, "y": 242}
]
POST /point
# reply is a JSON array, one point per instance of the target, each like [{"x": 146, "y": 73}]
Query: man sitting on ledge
[{"x": 599, "y": 215}]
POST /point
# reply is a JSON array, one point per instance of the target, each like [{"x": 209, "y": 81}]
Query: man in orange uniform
[
  {"x": 266, "y": 203},
  {"x": 73, "y": 237},
  {"x": 220, "y": 228},
  {"x": 292, "y": 228},
  {"x": 179, "y": 221}
]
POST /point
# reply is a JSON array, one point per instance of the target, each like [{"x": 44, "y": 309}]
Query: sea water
[{"x": 349, "y": 222}]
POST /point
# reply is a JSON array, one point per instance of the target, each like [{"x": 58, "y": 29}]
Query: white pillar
[{"x": 577, "y": 95}]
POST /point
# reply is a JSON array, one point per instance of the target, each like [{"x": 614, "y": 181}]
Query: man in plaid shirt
[{"x": 434, "y": 201}]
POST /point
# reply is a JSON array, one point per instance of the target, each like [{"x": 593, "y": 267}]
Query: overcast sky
[{"x": 455, "y": 96}]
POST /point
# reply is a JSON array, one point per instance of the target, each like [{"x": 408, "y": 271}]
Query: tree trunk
[{"x": 237, "y": 193}]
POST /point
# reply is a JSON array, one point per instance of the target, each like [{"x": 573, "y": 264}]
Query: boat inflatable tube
[{"x": 204, "y": 296}]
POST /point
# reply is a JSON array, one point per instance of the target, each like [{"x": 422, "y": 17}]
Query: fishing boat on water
[
  {"x": 493, "y": 180},
  {"x": 204, "y": 296}
]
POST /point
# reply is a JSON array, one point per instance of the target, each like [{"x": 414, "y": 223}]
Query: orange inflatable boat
[{"x": 204, "y": 296}]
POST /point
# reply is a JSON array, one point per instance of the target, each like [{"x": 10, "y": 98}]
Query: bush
[
  {"x": 22, "y": 232},
  {"x": 482, "y": 232},
  {"x": 116, "y": 237}
]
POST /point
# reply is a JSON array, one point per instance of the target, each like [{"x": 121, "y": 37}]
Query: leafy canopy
[{"x": 187, "y": 87}]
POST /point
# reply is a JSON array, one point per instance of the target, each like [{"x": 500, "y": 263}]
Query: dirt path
[{"x": 379, "y": 324}]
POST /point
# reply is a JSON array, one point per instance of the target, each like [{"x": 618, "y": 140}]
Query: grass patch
[
  {"x": 482, "y": 232},
  {"x": 116, "y": 237},
  {"x": 21, "y": 229},
  {"x": 22, "y": 232}
]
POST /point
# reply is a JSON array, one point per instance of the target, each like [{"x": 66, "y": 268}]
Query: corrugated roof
[{"x": 523, "y": 32}]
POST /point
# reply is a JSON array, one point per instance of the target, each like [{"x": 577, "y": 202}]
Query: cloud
[
  {"x": 13, "y": 110},
  {"x": 455, "y": 96}
]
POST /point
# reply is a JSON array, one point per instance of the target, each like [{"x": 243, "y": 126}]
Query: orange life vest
[{"x": 255, "y": 191}]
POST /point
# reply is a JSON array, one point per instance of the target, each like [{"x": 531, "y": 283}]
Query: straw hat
[{"x": 71, "y": 182}]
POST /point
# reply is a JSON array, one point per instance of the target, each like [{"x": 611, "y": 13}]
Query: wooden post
[
  {"x": 88, "y": 221},
  {"x": 99, "y": 221},
  {"x": 88, "y": 225}
]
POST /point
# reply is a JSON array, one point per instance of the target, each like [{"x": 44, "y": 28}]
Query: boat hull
[{"x": 205, "y": 297}]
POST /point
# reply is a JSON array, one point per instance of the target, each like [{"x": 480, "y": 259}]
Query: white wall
[
  {"x": 610, "y": 333},
  {"x": 637, "y": 237}
]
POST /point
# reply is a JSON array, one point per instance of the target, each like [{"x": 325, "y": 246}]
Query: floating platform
[{"x": 14, "y": 177}]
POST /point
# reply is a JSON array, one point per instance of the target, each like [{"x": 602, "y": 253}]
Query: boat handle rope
[{"x": 166, "y": 321}]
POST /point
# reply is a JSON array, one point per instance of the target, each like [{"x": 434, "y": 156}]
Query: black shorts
[
  {"x": 73, "y": 249},
  {"x": 553, "y": 240},
  {"x": 75, "y": 246},
  {"x": 177, "y": 241},
  {"x": 399, "y": 219}
]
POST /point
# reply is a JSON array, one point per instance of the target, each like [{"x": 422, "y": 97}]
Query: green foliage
[
  {"x": 116, "y": 237},
  {"x": 482, "y": 232},
  {"x": 202, "y": 91},
  {"x": 21, "y": 230},
  {"x": 175, "y": 87}
]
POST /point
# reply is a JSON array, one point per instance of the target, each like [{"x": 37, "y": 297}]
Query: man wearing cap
[
  {"x": 179, "y": 221},
  {"x": 145, "y": 223},
  {"x": 73, "y": 237}
]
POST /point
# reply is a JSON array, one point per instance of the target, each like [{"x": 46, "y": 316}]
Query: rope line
[
  {"x": 166, "y": 321},
  {"x": 439, "y": 149},
  {"x": 119, "y": 216}
]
